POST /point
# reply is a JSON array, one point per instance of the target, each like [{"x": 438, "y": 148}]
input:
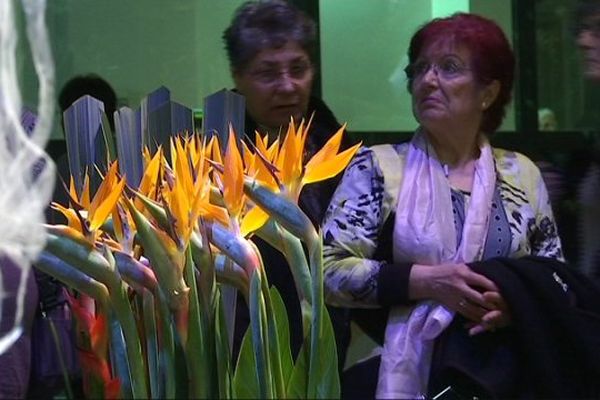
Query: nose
[
  {"x": 286, "y": 83},
  {"x": 430, "y": 75}
]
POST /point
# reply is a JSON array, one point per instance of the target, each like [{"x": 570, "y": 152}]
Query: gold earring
[{"x": 484, "y": 105}]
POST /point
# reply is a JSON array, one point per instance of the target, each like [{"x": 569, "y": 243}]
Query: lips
[
  {"x": 430, "y": 100},
  {"x": 286, "y": 107},
  {"x": 287, "y": 110}
]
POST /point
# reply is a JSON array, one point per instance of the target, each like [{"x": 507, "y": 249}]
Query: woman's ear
[{"x": 489, "y": 94}]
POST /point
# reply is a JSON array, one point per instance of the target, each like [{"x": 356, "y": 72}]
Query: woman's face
[
  {"x": 588, "y": 40},
  {"x": 277, "y": 84},
  {"x": 445, "y": 92}
]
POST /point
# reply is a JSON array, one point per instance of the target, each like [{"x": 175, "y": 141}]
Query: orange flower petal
[
  {"x": 329, "y": 168},
  {"x": 106, "y": 206},
  {"x": 253, "y": 220},
  {"x": 233, "y": 178},
  {"x": 70, "y": 214},
  {"x": 329, "y": 150}
]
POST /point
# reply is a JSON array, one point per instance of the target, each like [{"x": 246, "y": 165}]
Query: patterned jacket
[{"x": 358, "y": 226}]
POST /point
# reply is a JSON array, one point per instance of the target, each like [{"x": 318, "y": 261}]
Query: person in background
[
  {"x": 270, "y": 46},
  {"x": 75, "y": 88},
  {"x": 46, "y": 378},
  {"x": 429, "y": 241},
  {"x": 92, "y": 85},
  {"x": 554, "y": 177},
  {"x": 547, "y": 120},
  {"x": 588, "y": 189}
]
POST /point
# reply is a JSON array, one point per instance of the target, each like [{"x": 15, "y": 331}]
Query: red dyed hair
[{"x": 492, "y": 56}]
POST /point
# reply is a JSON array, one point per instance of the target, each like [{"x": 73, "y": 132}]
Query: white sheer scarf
[{"x": 425, "y": 233}]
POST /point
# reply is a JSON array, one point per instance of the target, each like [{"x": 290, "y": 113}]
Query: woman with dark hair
[
  {"x": 270, "y": 45},
  {"x": 409, "y": 222}
]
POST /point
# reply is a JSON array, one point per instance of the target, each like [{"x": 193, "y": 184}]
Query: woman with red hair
[{"x": 413, "y": 229}]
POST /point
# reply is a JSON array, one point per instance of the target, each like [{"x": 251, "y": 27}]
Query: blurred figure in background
[
  {"x": 587, "y": 32},
  {"x": 547, "y": 120},
  {"x": 553, "y": 175}
]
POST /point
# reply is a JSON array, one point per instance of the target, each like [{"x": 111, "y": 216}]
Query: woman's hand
[
  {"x": 499, "y": 317},
  {"x": 459, "y": 288}
]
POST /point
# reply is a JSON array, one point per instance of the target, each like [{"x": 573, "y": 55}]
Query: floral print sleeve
[
  {"x": 543, "y": 231},
  {"x": 527, "y": 206},
  {"x": 350, "y": 232}
]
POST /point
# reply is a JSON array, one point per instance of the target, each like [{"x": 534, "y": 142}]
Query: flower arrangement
[{"x": 148, "y": 264}]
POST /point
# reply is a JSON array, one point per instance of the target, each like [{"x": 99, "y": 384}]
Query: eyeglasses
[
  {"x": 448, "y": 68},
  {"x": 273, "y": 75}
]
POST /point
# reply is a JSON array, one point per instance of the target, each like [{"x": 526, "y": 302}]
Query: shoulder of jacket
[
  {"x": 390, "y": 150},
  {"x": 390, "y": 161},
  {"x": 510, "y": 162}
]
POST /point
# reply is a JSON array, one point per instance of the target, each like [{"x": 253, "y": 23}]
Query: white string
[{"x": 26, "y": 172}]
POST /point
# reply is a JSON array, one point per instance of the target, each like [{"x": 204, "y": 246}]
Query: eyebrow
[
  {"x": 271, "y": 63},
  {"x": 450, "y": 55}
]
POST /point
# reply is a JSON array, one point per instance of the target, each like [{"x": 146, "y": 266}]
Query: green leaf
[
  {"x": 326, "y": 367},
  {"x": 260, "y": 341},
  {"x": 222, "y": 352},
  {"x": 124, "y": 314},
  {"x": 167, "y": 347},
  {"x": 283, "y": 332},
  {"x": 199, "y": 346},
  {"x": 298, "y": 383},
  {"x": 182, "y": 379},
  {"x": 201, "y": 255},
  {"x": 315, "y": 250},
  {"x": 328, "y": 384},
  {"x": 152, "y": 349},
  {"x": 245, "y": 380},
  {"x": 118, "y": 357}
]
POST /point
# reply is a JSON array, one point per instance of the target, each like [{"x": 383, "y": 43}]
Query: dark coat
[{"x": 551, "y": 349}]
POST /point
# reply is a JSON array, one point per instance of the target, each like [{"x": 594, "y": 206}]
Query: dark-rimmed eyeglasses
[
  {"x": 274, "y": 75},
  {"x": 447, "y": 68}
]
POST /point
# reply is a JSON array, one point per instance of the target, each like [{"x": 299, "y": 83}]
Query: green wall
[{"x": 139, "y": 45}]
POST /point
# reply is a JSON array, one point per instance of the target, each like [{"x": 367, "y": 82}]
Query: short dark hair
[
  {"x": 584, "y": 10},
  {"x": 259, "y": 25},
  {"x": 493, "y": 58},
  {"x": 94, "y": 86}
]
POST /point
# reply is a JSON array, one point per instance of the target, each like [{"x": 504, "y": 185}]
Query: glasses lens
[{"x": 450, "y": 68}]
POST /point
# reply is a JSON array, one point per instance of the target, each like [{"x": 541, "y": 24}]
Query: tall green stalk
[{"x": 202, "y": 369}]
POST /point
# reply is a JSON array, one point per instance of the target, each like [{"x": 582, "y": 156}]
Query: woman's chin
[{"x": 433, "y": 118}]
